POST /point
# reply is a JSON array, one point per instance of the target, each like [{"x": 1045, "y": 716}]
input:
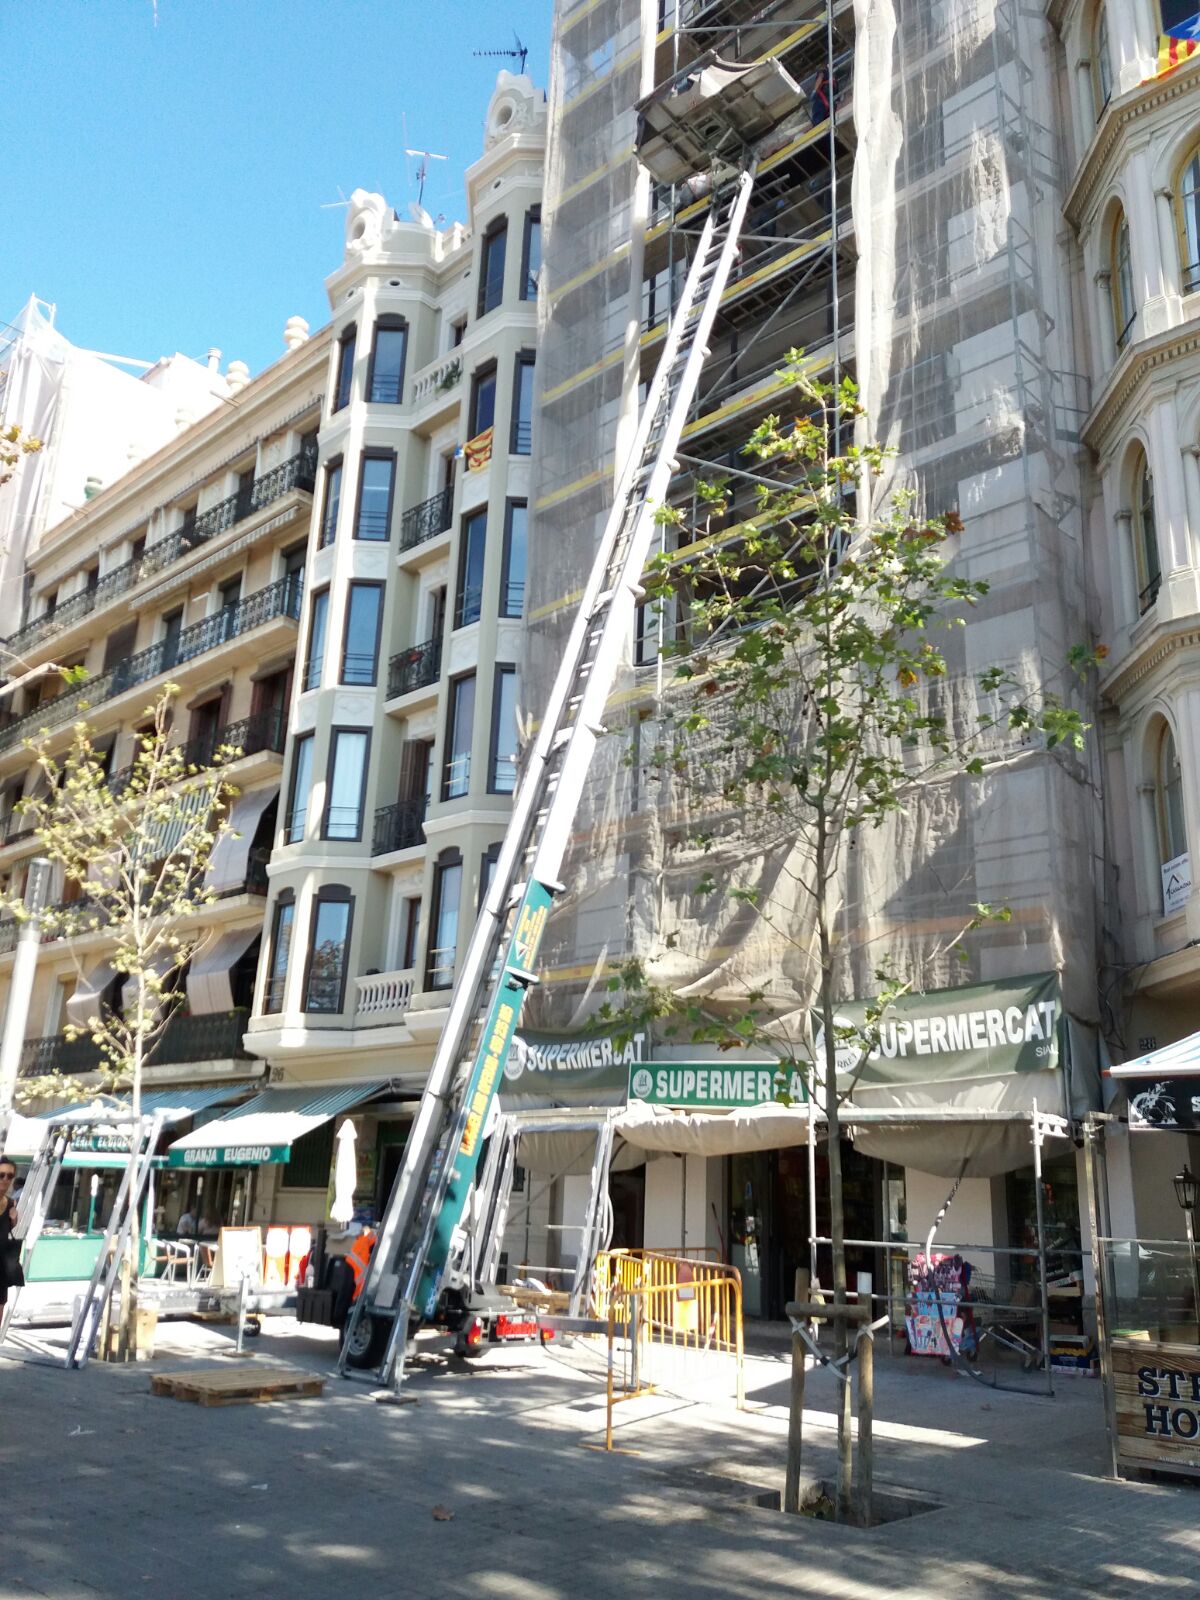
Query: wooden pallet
[{"x": 236, "y": 1386}]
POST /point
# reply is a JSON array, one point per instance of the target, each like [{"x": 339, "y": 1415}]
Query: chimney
[
  {"x": 214, "y": 360},
  {"x": 295, "y": 333}
]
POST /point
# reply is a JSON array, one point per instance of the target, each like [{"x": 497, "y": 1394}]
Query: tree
[
  {"x": 810, "y": 700},
  {"x": 135, "y": 847},
  {"x": 15, "y": 445}
]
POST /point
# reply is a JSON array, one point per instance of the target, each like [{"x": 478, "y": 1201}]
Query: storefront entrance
[{"x": 769, "y": 1222}]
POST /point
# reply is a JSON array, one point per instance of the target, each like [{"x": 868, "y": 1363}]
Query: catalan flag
[
  {"x": 1179, "y": 42},
  {"x": 478, "y": 450}
]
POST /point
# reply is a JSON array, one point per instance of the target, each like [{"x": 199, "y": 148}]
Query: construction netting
[{"x": 906, "y": 230}]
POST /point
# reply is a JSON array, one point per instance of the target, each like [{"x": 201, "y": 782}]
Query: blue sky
[{"x": 166, "y": 166}]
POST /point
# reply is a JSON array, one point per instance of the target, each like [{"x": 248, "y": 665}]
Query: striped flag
[
  {"x": 478, "y": 450},
  {"x": 1180, "y": 42}
]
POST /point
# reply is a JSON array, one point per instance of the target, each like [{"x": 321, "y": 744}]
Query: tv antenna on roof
[
  {"x": 519, "y": 53},
  {"x": 422, "y": 171}
]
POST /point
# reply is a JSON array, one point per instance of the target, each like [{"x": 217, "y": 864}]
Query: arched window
[
  {"x": 1101, "y": 62},
  {"x": 1145, "y": 537},
  {"x": 1168, "y": 790},
  {"x": 1124, "y": 305},
  {"x": 1188, "y": 198}
]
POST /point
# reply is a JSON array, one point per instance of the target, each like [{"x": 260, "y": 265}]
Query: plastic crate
[{"x": 315, "y": 1305}]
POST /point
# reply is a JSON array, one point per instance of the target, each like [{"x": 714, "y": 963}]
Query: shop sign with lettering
[
  {"x": 583, "y": 1066},
  {"x": 1157, "y": 1404},
  {"x": 716, "y": 1085}
]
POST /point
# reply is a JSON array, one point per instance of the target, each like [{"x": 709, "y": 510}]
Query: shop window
[
  {"x": 332, "y": 503},
  {"x": 1168, "y": 790},
  {"x": 375, "y": 486},
  {"x": 282, "y": 926},
  {"x": 502, "y": 753},
  {"x": 1145, "y": 537},
  {"x": 443, "y": 921},
  {"x": 385, "y": 379},
  {"x": 329, "y": 946},
  {"x": 318, "y": 624},
  {"x": 345, "y": 368},
  {"x": 347, "y": 783},
  {"x": 309, "y": 1164},
  {"x": 456, "y": 778},
  {"x": 297, "y": 813},
  {"x": 491, "y": 268},
  {"x": 471, "y": 556},
  {"x": 1123, "y": 302},
  {"x": 360, "y": 637},
  {"x": 531, "y": 254}
]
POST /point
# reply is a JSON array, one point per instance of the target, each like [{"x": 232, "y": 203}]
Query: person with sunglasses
[{"x": 11, "y": 1276}]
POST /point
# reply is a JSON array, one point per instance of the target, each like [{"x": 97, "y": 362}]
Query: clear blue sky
[{"x": 165, "y": 173}]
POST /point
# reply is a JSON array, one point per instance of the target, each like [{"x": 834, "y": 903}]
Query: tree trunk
[{"x": 127, "y": 1335}]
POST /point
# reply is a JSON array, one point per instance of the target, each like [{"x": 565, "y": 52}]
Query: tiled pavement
[{"x": 108, "y": 1491}]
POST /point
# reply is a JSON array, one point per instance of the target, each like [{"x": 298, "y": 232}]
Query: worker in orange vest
[{"x": 356, "y": 1259}]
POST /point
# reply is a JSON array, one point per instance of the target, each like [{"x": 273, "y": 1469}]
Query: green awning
[{"x": 262, "y": 1132}]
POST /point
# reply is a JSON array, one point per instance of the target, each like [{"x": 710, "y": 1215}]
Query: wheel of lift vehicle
[
  {"x": 366, "y": 1340},
  {"x": 253, "y": 1327}
]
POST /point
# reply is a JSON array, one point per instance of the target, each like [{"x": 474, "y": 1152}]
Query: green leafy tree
[
  {"x": 808, "y": 700},
  {"x": 15, "y": 445}
]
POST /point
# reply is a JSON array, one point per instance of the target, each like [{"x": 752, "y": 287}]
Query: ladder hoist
[{"x": 416, "y": 1272}]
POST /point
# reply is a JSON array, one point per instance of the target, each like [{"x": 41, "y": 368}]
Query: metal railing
[
  {"x": 278, "y": 599},
  {"x": 470, "y": 605},
  {"x": 428, "y": 519},
  {"x": 213, "y": 1037},
  {"x": 523, "y": 436},
  {"x": 398, "y": 827},
  {"x": 387, "y": 388},
  {"x": 298, "y": 472},
  {"x": 249, "y": 736},
  {"x": 415, "y": 668},
  {"x": 1148, "y": 595}
]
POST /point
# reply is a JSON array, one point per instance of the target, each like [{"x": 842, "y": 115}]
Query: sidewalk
[{"x": 109, "y": 1491}]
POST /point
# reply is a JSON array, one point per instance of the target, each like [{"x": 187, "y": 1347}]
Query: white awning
[
  {"x": 25, "y": 1136},
  {"x": 209, "y": 981},
  {"x": 85, "y": 1002},
  {"x": 1178, "y": 1060},
  {"x": 262, "y": 1131},
  {"x": 230, "y": 859}
]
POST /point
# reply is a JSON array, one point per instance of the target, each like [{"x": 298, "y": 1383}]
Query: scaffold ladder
[{"x": 421, "y": 1234}]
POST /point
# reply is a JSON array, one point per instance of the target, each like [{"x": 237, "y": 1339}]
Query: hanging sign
[
  {"x": 1176, "y": 883},
  {"x": 1163, "y": 1102},
  {"x": 229, "y": 1155},
  {"x": 579, "y": 1065},
  {"x": 1157, "y": 1404},
  {"x": 716, "y": 1085}
]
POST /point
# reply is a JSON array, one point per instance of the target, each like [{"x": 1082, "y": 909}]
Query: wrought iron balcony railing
[
  {"x": 213, "y": 1037},
  {"x": 397, "y": 827},
  {"x": 415, "y": 668},
  {"x": 427, "y": 520},
  {"x": 267, "y": 730}
]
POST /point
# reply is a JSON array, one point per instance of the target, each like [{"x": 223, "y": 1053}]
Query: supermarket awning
[
  {"x": 262, "y": 1131},
  {"x": 230, "y": 859},
  {"x": 209, "y": 979}
]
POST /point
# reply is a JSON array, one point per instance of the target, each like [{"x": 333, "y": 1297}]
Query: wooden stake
[{"x": 791, "y": 1486}]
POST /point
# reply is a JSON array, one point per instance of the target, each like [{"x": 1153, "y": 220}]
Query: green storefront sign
[
  {"x": 229, "y": 1155},
  {"x": 716, "y": 1085}
]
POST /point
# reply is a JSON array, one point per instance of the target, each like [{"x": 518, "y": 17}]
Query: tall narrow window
[
  {"x": 1172, "y": 831},
  {"x": 376, "y": 480},
  {"x": 470, "y": 569},
  {"x": 456, "y": 779},
  {"x": 346, "y": 784},
  {"x": 1145, "y": 537},
  {"x": 502, "y": 756},
  {"x": 360, "y": 638},
  {"x": 332, "y": 502},
  {"x": 172, "y": 628},
  {"x": 522, "y": 413},
  {"x": 385, "y": 382},
  {"x": 282, "y": 924},
  {"x": 318, "y": 627},
  {"x": 345, "y": 369},
  {"x": 411, "y": 932},
  {"x": 491, "y": 268},
  {"x": 443, "y": 921},
  {"x": 297, "y": 812},
  {"x": 483, "y": 402},
  {"x": 531, "y": 255},
  {"x": 487, "y": 871},
  {"x": 512, "y": 579},
  {"x": 329, "y": 948},
  {"x": 1101, "y": 62},
  {"x": 1124, "y": 305},
  {"x": 1189, "y": 206}
]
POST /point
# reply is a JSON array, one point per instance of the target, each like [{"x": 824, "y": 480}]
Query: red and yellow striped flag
[
  {"x": 478, "y": 450},
  {"x": 1173, "y": 52}
]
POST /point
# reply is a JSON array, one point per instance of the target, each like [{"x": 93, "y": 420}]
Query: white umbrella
[{"x": 345, "y": 1175}]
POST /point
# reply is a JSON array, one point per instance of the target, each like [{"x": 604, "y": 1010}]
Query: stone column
[
  {"x": 1170, "y": 505},
  {"x": 1164, "y": 210},
  {"x": 1106, "y": 339},
  {"x": 1125, "y": 572}
]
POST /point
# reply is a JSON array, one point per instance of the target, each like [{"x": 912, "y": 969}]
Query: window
[
  {"x": 443, "y": 921},
  {"x": 244, "y": 494},
  {"x": 297, "y": 814},
  {"x": 487, "y": 870},
  {"x": 458, "y": 332},
  {"x": 491, "y": 268},
  {"x": 1189, "y": 223},
  {"x": 1172, "y": 834},
  {"x": 229, "y": 595},
  {"x": 345, "y": 368},
  {"x": 412, "y": 932},
  {"x": 385, "y": 379},
  {"x": 483, "y": 402},
  {"x": 282, "y": 925},
  {"x": 456, "y": 778},
  {"x": 360, "y": 638},
  {"x": 1124, "y": 306},
  {"x": 512, "y": 579},
  {"x": 333, "y": 500},
  {"x": 1101, "y": 62},
  {"x": 375, "y": 484},
  {"x": 522, "y": 413},
  {"x": 318, "y": 625},
  {"x": 472, "y": 551},
  {"x": 531, "y": 255},
  {"x": 325, "y": 981},
  {"x": 347, "y": 783},
  {"x": 295, "y": 559},
  {"x": 312, "y": 1156},
  {"x": 1145, "y": 537},
  {"x": 172, "y": 624},
  {"x": 502, "y": 755}
]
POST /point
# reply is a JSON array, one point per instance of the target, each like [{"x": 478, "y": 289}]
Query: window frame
[
  {"x": 388, "y": 323},
  {"x": 510, "y": 506},
  {"x": 319, "y": 605},
  {"x": 357, "y": 584},
  {"x": 376, "y": 453},
  {"x": 1101, "y": 61},
  {"x": 454, "y": 688},
  {"x": 1187, "y": 211},
  {"x": 501, "y": 670},
  {"x": 1163, "y": 788},
  {"x": 303, "y": 742},
  {"x": 526, "y": 360},
  {"x": 489, "y": 858},
  {"x": 335, "y": 733},
  {"x": 343, "y": 380},
  {"x": 1147, "y": 557},
  {"x": 446, "y": 861},
  {"x": 479, "y": 377},
  {"x": 533, "y": 219},
  {"x": 334, "y": 474},
  {"x": 410, "y": 932},
  {"x": 469, "y": 521},
  {"x": 1121, "y": 280},
  {"x": 328, "y": 894},
  {"x": 496, "y": 230},
  {"x": 285, "y": 900}
]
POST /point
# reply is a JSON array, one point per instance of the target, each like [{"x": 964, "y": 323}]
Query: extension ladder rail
[{"x": 421, "y": 1228}]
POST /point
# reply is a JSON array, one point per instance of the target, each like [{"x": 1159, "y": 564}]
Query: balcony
[
  {"x": 397, "y": 827},
  {"x": 383, "y": 998},
  {"x": 250, "y": 736},
  {"x": 278, "y": 599},
  {"x": 215, "y": 1037},
  {"x": 427, "y": 520},
  {"x": 296, "y": 473},
  {"x": 415, "y": 668},
  {"x": 438, "y": 379}
]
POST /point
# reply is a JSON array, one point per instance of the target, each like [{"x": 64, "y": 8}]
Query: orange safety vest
[{"x": 356, "y": 1259}]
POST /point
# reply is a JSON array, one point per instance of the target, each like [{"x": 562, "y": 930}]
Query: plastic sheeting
[{"x": 954, "y": 300}]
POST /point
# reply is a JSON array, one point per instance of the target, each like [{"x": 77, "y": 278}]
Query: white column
[
  {"x": 1191, "y": 489},
  {"x": 1124, "y": 571},
  {"x": 1151, "y": 854},
  {"x": 1143, "y": 231},
  {"x": 1168, "y": 247},
  {"x": 1127, "y": 53},
  {"x": 1106, "y": 339},
  {"x": 1085, "y": 105},
  {"x": 1170, "y": 508}
]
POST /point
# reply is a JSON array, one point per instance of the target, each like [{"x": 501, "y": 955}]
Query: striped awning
[{"x": 262, "y": 1132}]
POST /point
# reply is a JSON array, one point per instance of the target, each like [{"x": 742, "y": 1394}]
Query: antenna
[
  {"x": 519, "y": 52},
  {"x": 422, "y": 168}
]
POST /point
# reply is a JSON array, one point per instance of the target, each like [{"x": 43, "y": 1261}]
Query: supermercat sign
[
  {"x": 585, "y": 1065},
  {"x": 979, "y": 1031}
]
